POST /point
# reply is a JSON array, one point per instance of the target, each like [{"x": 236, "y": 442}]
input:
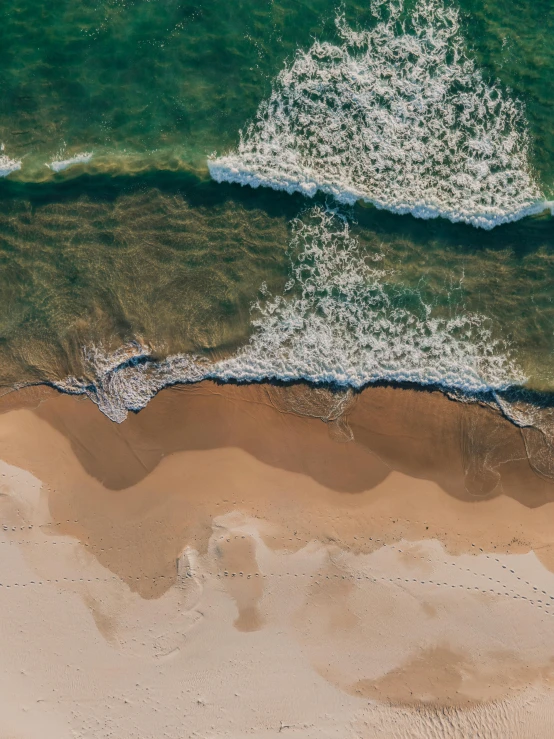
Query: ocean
[{"x": 283, "y": 191}]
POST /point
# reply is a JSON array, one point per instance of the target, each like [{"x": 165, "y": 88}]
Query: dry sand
[{"x": 228, "y": 564}]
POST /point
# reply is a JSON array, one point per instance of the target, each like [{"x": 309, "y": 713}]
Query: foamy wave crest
[
  {"x": 125, "y": 380},
  {"x": 338, "y": 323},
  {"x": 7, "y": 165},
  {"x": 341, "y": 322},
  {"x": 398, "y": 116},
  {"x": 58, "y": 165}
]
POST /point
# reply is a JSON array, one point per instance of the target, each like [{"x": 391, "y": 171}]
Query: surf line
[{"x": 397, "y": 115}]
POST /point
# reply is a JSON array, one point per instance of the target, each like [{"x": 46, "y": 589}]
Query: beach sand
[{"x": 263, "y": 561}]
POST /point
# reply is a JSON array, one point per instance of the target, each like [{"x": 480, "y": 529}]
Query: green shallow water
[
  {"x": 140, "y": 244},
  {"x": 148, "y": 85}
]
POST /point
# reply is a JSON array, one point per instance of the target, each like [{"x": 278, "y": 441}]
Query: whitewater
[
  {"x": 338, "y": 322},
  {"x": 58, "y": 165},
  {"x": 398, "y": 116},
  {"x": 7, "y": 165}
]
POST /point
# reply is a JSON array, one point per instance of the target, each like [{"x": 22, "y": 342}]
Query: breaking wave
[
  {"x": 58, "y": 165},
  {"x": 7, "y": 165},
  {"x": 339, "y": 322},
  {"x": 398, "y": 116}
]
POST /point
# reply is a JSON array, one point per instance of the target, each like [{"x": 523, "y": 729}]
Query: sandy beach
[
  {"x": 277, "y": 369},
  {"x": 240, "y": 561}
]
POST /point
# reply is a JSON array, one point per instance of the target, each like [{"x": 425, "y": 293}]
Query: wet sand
[{"x": 228, "y": 563}]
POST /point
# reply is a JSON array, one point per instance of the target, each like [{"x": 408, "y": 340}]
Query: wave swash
[
  {"x": 398, "y": 116},
  {"x": 339, "y": 322}
]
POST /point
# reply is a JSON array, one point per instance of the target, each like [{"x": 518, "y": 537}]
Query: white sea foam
[
  {"x": 59, "y": 165},
  {"x": 398, "y": 116},
  {"x": 338, "y": 322},
  {"x": 125, "y": 380},
  {"x": 7, "y": 165}
]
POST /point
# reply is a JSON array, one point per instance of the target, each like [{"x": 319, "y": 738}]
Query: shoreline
[
  {"x": 530, "y": 411},
  {"x": 539, "y": 399},
  {"x": 300, "y": 401}
]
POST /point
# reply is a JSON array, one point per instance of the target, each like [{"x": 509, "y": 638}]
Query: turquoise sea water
[{"x": 123, "y": 217}]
